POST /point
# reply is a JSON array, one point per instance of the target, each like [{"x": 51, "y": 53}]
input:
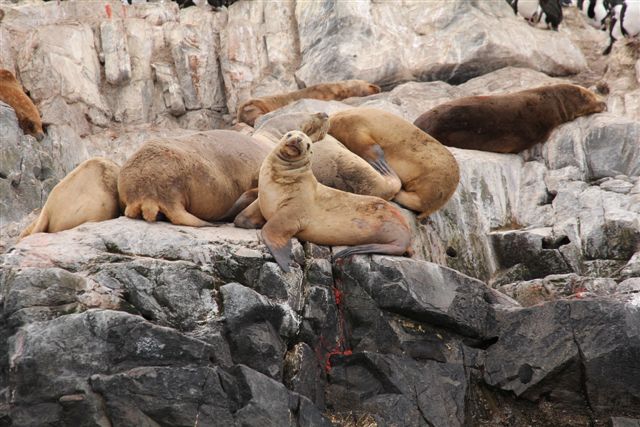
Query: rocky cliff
[{"x": 521, "y": 305}]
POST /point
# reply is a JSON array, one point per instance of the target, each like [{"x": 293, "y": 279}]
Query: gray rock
[
  {"x": 383, "y": 49},
  {"x": 117, "y": 64},
  {"x": 434, "y": 390},
  {"x": 535, "y": 249},
  {"x": 152, "y": 396},
  {"x": 422, "y": 291},
  {"x": 568, "y": 354}
]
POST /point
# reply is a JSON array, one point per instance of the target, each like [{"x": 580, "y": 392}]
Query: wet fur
[
  {"x": 507, "y": 123},
  {"x": 12, "y": 93},
  {"x": 88, "y": 193},
  {"x": 428, "y": 171},
  {"x": 296, "y": 204},
  {"x": 192, "y": 179},
  {"x": 250, "y": 110}
]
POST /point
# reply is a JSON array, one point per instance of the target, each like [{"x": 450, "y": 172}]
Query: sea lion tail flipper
[
  {"x": 178, "y": 215},
  {"x": 250, "y": 217},
  {"x": 277, "y": 234},
  {"x": 38, "y": 225},
  {"x": 246, "y": 199},
  {"x": 377, "y": 248},
  {"x": 410, "y": 200}
]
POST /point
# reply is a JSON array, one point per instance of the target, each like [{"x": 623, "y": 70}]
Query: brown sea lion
[
  {"x": 508, "y": 123},
  {"x": 193, "y": 179},
  {"x": 250, "y": 110},
  {"x": 12, "y": 93},
  {"x": 88, "y": 193},
  {"x": 295, "y": 204},
  {"x": 428, "y": 171}
]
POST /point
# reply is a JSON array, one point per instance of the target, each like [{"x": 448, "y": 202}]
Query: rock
[
  {"x": 558, "y": 286},
  {"x": 193, "y": 50},
  {"x": 303, "y": 375},
  {"x": 624, "y": 422},
  {"x": 27, "y": 171},
  {"x": 117, "y": 65},
  {"x": 152, "y": 395},
  {"x": 371, "y": 378},
  {"x": 422, "y": 291},
  {"x": 391, "y": 43},
  {"x": 62, "y": 60},
  {"x": 537, "y": 250},
  {"x": 171, "y": 90},
  {"x": 567, "y": 354},
  {"x": 252, "y": 329}
]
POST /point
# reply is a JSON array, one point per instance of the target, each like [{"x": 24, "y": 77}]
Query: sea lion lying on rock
[
  {"x": 88, "y": 193},
  {"x": 12, "y": 93},
  {"x": 295, "y": 204},
  {"x": 250, "y": 110},
  {"x": 508, "y": 123},
  {"x": 428, "y": 171},
  {"x": 193, "y": 179}
]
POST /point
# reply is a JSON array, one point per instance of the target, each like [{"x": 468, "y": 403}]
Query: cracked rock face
[{"x": 129, "y": 323}]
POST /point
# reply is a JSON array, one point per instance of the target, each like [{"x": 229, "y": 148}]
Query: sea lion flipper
[
  {"x": 250, "y": 217},
  {"x": 246, "y": 199},
  {"x": 375, "y": 157},
  {"x": 388, "y": 249},
  {"x": 277, "y": 234}
]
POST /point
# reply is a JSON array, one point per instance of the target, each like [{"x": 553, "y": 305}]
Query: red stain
[
  {"x": 326, "y": 350},
  {"x": 337, "y": 293},
  {"x": 107, "y": 9}
]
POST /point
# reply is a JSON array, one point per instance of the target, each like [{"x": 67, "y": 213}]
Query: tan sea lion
[
  {"x": 428, "y": 171},
  {"x": 508, "y": 123},
  {"x": 88, "y": 193},
  {"x": 296, "y": 204},
  {"x": 12, "y": 93},
  {"x": 193, "y": 179},
  {"x": 250, "y": 110},
  {"x": 332, "y": 163}
]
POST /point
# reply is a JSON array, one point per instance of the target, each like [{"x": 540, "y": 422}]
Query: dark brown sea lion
[{"x": 508, "y": 123}]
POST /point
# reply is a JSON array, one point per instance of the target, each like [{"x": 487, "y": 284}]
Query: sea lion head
[
  {"x": 7, "y": 76},
  {"x": 582, "y": 101},
  {"x": 294, "y": 146},
  {"x": 362, "y": 88},
  {"x": 316, "y": 127}
]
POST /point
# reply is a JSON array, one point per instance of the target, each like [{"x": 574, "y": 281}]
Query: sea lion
[
  {"x": 12, "y": 93},
  {"x": 193, "y": 179},
  {"x": 333, "y": 164},
  {"x": 250, "y": 110},
  {"x": 507, "y": 123},
  {"x": 428, "y": 171},
  {"x": 296, "y": 204},
  {"x": 88, "y": 193}
]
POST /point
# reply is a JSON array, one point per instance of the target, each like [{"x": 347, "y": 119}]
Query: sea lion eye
[{"x": 308, "y": 145}]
